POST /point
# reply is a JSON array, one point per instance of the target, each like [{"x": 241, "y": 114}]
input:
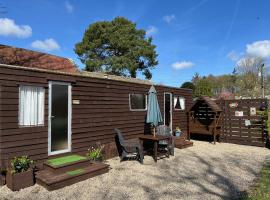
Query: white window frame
[
  {"x": 171, "y": 108},
  {"x": 175, "y": 96},
  {"x": 19, "y": 110},
  {"x": 50, "y": 153},
  {"x": 138, "y": 109}
]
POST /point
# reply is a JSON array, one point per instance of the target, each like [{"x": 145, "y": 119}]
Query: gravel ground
[{"x": 204, "y": 171}]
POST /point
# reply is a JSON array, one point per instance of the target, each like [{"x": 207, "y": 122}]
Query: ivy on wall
[{"x": 266, "y": 118}]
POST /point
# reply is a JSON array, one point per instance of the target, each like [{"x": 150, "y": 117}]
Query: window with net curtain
[
  {"x": 31, "y": 106},
  {"x": 179, "y": 103},
  {"x": 137, "y": 102}
]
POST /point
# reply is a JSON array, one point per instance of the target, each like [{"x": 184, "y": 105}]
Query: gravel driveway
[{"x": 204, "y": 171}]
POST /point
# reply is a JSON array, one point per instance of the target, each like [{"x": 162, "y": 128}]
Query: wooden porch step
[
  {"x": 52, "y": 181},
  {"x": 181, "y": 144},
  {"x": 66, "y": 163}
]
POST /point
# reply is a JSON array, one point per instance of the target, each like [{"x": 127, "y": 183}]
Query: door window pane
[
  {"x": 167, "y": 120},
  {"x": 59, "y": 117}
]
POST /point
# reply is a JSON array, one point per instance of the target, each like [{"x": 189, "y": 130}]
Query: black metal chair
[
  {"x": 164, "y": 144},
  {"x": 131, "y": 147}
]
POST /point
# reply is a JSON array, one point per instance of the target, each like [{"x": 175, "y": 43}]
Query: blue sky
[{"x": 204, "y": 36}]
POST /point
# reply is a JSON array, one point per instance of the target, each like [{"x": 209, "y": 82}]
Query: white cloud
[
  {"x": 259, "y": 48},
  {"x": 69, "y": 7},
  {"x": 46, "y": 45},
  {"x": 233, "y": 56},
  {"x": 169, "y": 18},
  {"x": 8, "y": 27},
  {"x": 182, "y": 65},
  {"x": 151, "y": 30}
]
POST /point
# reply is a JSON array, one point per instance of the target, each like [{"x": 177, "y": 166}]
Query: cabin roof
[
  {"x": 83, "y": 74},
  {"x": 114, "y": 77},
  {"x": 97, "y": 75},
  {"x": 209, "y": 102}
]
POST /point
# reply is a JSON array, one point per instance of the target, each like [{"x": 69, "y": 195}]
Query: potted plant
[
  {"x": 95, "y": 153},
  {"x": 20, "y": 175},
  {"x": 3, "y": 173},
  {"x": 177, "y": 131}
]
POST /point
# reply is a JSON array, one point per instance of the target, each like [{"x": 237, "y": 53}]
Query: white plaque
[
  {"x": 252, "y": 111},
  {"x": 239, "y": 113},
  {"x": 76, "y": 101}
]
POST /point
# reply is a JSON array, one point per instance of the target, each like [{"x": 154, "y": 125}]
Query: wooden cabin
[
  {"x": 51, "y": 110},
  {"x": 85, "y": 107},
  {"x": 204, "y": 117}
]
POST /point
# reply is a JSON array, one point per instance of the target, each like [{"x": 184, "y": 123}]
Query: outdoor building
[{"x": 85, "y": 107}]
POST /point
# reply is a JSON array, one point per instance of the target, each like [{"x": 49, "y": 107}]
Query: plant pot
[
  {"x": 178, "y": 133},
  {"x": 21, "y": 180},
  {"x": 2, "y": 179},
  {"x": 97, "y": 161}
]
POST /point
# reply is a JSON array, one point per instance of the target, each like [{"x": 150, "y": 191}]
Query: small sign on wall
[
  {"x": 233, "y": 105},
  {"x": 247, "y": 122},
  {"x": 76, "y": 101},
  {"x": 252, "y": 111},
  {"x": 239, "y": 113}
]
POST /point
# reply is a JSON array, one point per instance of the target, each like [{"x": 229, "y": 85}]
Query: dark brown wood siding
[{"x": 104, "y": 105}]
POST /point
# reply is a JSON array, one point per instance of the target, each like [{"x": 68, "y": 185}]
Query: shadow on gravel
[
  {"x": 201, "y": 137},
  {"x": 212, "y": 183}
]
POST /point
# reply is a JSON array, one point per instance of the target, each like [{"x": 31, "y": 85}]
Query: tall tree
[
  {"x": 188, "y": 85},
  {"x": 203, "y": 88},
  {"x": 248, "y": 79},
  {"x": 196, "y": 77},
  {"x": 117, "y": 47},
  {"x": 222, "y": 83}
]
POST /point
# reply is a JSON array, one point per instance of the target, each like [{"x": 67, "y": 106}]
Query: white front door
[
  {"x": 168, "y": 109},
  {"x": 59, "y": 122}
]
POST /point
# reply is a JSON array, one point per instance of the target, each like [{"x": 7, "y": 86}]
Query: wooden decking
[
  {"x": 182, "y": 143},
  {"x": 56, "y": 177}
]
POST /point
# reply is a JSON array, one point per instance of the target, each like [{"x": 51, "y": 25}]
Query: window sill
[
  {"x": 135, "y": 110},
  {"x": 31, "y": 126}
]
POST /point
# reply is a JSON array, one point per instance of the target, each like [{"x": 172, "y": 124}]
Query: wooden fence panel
[{"x": 234, "y": 129}]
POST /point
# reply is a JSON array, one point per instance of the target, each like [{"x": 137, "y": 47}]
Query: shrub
[
  {"x": 21, "y": 164},
  {"x": 95, "y": 153},
  {"x": 203, "y": 87},
  {"x": 266, "y": 119},
  {"x": 188, "y": 85}
]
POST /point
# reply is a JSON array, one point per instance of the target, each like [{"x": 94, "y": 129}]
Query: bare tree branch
[{"x": 248, "y": 78}]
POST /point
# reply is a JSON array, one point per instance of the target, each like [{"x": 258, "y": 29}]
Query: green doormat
[
  {"x": 65, "y": 160},
  {"x": 75, "y": 172}
]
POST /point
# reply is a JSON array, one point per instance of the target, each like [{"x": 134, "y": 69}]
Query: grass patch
[
  {"x": 65, "y": 160},
  {"x": 262, "y": 188},
  {"x": 75, "y": 172}
]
